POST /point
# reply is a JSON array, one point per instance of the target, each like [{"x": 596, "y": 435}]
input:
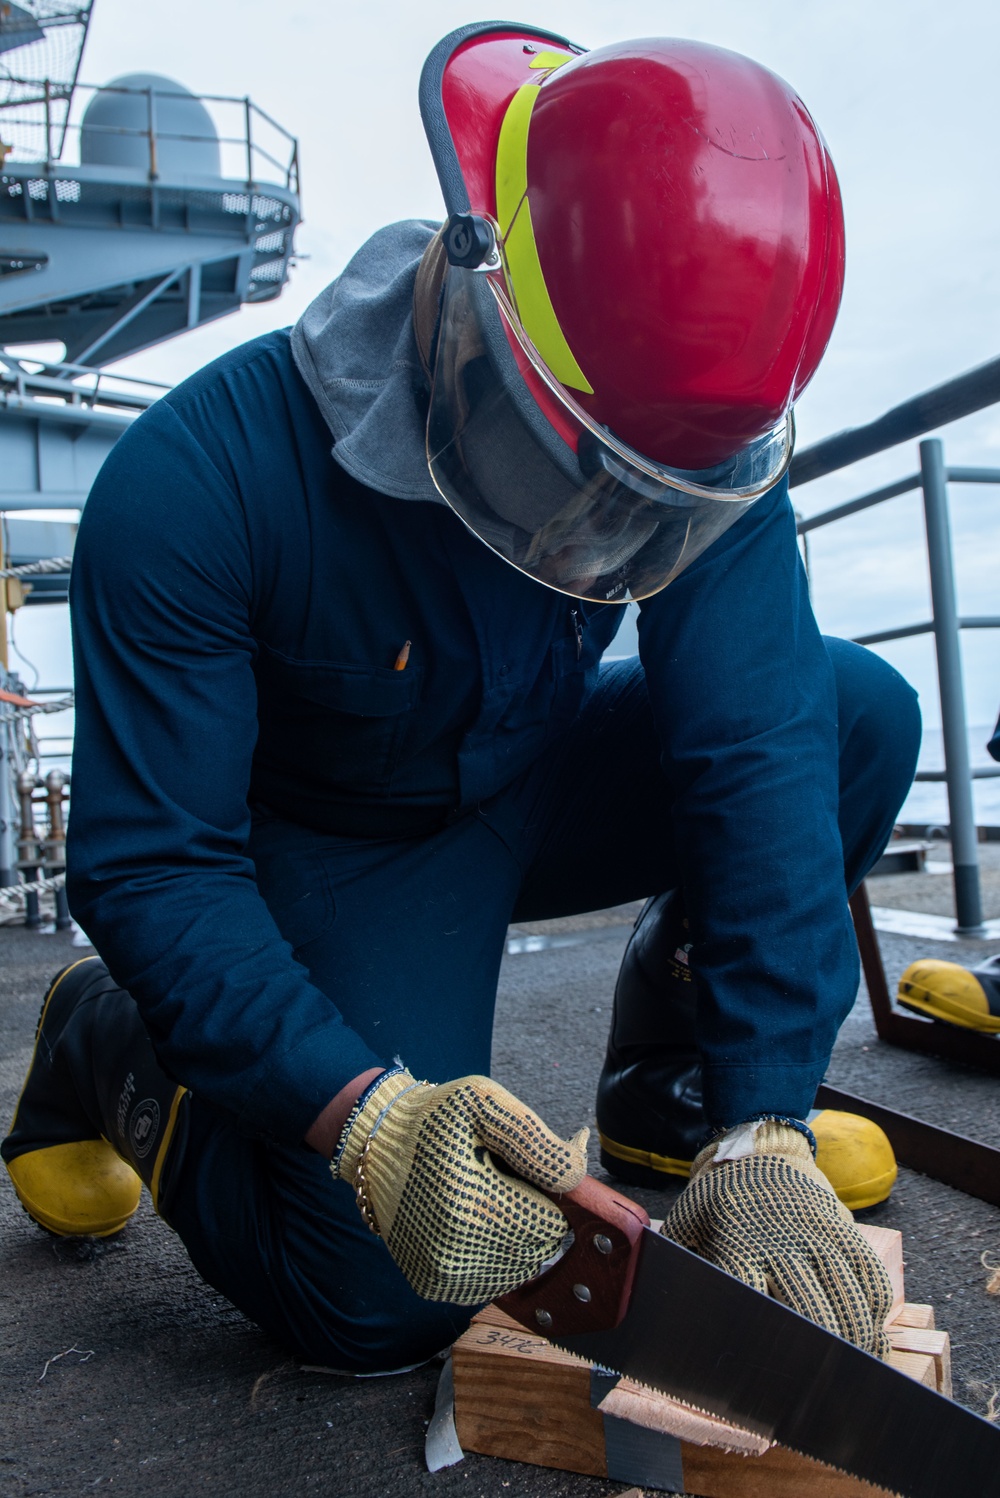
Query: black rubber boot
[
  {"x": 650, "y": 1115},
  {"x": 97, "y": 1116}
]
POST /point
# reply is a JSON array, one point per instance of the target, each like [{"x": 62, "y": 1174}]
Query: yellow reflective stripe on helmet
[
  {"x": 526, "y": 282},
  {"x": 550, "y": 60}
]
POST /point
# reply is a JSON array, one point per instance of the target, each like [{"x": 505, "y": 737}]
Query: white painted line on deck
[{"x": 931, "y": 927}]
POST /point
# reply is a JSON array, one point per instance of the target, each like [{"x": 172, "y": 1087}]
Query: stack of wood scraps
[{"x": 519, "y": 1397}]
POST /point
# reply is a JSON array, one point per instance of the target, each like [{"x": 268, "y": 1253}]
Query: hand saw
[{"x": 631, "y": 1301}]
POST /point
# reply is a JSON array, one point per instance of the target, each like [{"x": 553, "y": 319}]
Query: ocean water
[{"x": 928, "y": 800}]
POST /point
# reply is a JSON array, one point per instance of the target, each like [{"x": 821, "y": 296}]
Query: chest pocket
[{"x": 342, "y": 723}]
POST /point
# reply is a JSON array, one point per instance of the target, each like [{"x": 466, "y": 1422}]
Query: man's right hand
[{"x": 460, "y": 1229}]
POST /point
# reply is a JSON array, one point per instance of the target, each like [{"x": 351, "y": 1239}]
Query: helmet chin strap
[{"x": 427, "y": 299}]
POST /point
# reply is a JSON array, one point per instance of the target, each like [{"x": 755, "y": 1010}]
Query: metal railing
[
  {"x": 75, "y": 384},
  {"x": 44, "y": 127},
  {"x": 959, "y": 397}
]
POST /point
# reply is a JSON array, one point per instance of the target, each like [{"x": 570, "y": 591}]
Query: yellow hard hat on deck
[{"x": 957, "y": 995}]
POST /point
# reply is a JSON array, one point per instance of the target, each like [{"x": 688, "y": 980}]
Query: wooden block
[
  {"x": 928, "y": 1343},
  {"x": 493, "y": 1316},
  {"x": 915, "y": 1365},
  {"x": 518, "y": 1397},
  {"x": 628, "y": 1400},
  {"x": 888, "y": 1244},
  {"x": 918, "y": 1316}
]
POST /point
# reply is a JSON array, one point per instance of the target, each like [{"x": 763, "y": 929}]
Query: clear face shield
[{"x": 582, "y": 513}]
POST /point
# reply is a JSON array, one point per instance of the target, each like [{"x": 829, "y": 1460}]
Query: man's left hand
[{"x": 758, "y": 1206}]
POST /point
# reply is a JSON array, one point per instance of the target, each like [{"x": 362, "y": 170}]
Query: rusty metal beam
[{"x": 951, "y": 1158}]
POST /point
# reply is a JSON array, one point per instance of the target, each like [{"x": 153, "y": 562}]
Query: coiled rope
[
  {"x": 36, "y": 887},
  {"x": 35, "y": 569},
  {"x": 13, "y": 707}
]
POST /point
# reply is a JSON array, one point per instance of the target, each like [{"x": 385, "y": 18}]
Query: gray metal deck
[{"x": 172, "y": 1391}]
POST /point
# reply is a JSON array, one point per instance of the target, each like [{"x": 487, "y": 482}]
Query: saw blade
[{"x": 706, "y": 1339}]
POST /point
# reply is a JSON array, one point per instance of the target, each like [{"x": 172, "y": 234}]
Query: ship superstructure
[{"x": 130, "y": 213}]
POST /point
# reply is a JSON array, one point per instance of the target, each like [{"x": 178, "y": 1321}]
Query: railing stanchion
[
  {"x": 48, "y": 125},
  {"x": 247, "y": 106},
  {"x": 964, "y": 848},
  {"x": 154, "y": 160}
]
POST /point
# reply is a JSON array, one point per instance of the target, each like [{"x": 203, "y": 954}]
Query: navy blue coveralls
[{"x": 301, "y": 862}]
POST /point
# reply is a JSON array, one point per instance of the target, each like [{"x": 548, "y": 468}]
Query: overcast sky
[{"x": 905, "y": 92}]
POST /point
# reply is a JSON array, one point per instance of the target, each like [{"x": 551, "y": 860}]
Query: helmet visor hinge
[{"x": 470, "y": 243}]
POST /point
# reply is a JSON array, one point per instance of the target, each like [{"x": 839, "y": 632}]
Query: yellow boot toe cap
[
  {"x": 78, "y": 1190},
  {"x": 855, "y": 1156}
]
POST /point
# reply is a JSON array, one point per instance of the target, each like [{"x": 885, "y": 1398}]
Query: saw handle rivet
[
  {"x": 582, "y": 1293},
  {"x": 602, "y": 1243},
  {"x": 543, "y": 1318}
]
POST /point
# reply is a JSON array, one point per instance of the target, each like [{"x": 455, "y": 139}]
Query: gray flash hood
[{"x": 354, "y": 346}]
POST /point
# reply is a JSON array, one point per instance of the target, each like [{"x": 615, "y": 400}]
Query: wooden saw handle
[{"x": 588, "y": 1289}]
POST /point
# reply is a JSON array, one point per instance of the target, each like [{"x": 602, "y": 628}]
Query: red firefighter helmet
[{"x": 646, "y": 252}]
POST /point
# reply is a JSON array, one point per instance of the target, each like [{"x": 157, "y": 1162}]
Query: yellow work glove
[
  {"x": 758, "y": 1206},
  {"x": 457, "y": 1226}
]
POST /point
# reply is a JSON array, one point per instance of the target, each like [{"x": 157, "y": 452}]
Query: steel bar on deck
[
  {"x": 980, "y": 772},
  {"x": 863, "y": 502},
  {"x": 965, "y": 852},
  {"x": 972, "y": 621},
  {"x": 953, "y": 1159},
  {"x": 969, "y": 392},
  {"x": 930, "y": 1037},
  {"x": 974, "y": 475},
  {"x": 903, "y": 633}
]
